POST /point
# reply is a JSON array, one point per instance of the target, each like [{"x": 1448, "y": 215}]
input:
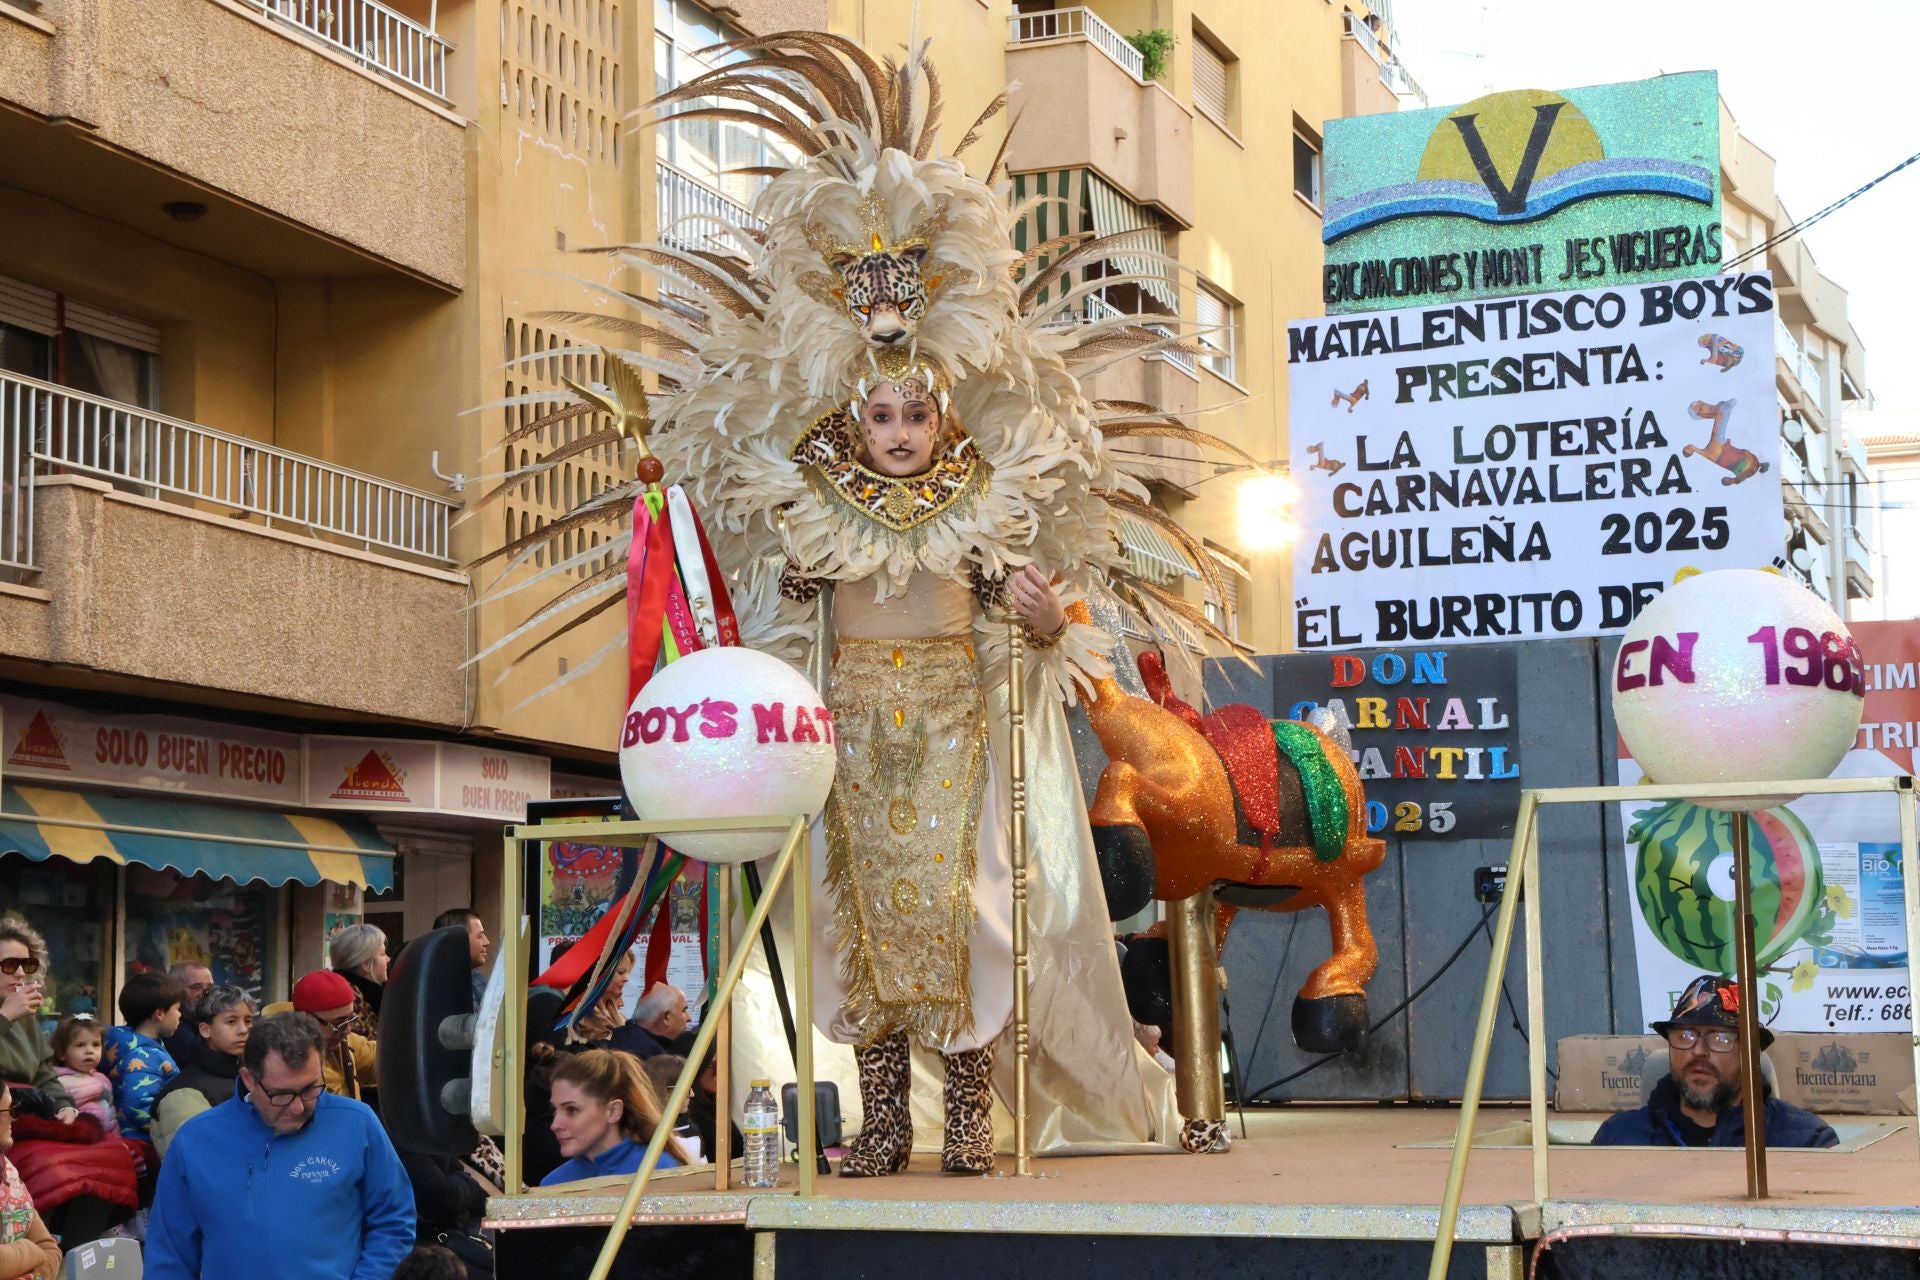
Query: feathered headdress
[{"x": 869, "y": 253}]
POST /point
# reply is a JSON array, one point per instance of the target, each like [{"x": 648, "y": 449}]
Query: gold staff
[{"x": 1017, "y": 851}]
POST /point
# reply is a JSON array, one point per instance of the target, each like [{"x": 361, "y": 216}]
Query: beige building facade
[{"x": 268, "y": 258}]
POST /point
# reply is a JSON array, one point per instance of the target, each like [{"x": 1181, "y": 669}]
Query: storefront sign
[
  {"x": 1529, "y": 467},
  {"x": 375, "y": 774},
  {"x": 1435, "y": 734},
  {"x": 50, "y": 742},
  {"x": 1829, "y": 889},
  {"x": 1524, "y": 192}
]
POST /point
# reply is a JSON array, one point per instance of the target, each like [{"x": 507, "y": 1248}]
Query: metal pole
[
  {"x": 1753, "y": 1084},
  {"x": 1196, "y": 1021},
  {"x": 1911, "y": 884},
  {"x": 776, "y": 971},
  {"x": 806, "y": 1136},
  {"x": 513, "y": 1018},
  {"x": 603, "y": 1265},
  {"x": 1017, "y": 851},
  {"x": 1482, "y": 1039},
  {"x": 722, "y": 1153},
  {"x": 1536, "y": 1020}
]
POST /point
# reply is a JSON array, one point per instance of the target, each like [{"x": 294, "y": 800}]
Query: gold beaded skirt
[{"x": 902, "y": 828}]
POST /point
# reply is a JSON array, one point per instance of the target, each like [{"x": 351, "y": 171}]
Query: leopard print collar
[{"x": 898, "y": 504}]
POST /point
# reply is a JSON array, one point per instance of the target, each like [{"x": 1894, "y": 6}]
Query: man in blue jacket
[
  {"x": 1698, "y": 1103},
  {"x": 282, "y": 1181}
]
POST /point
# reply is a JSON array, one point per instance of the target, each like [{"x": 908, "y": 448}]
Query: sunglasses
[
  {"x": 1717, "y": 1041},
  {"x": 19, "y": 964}
]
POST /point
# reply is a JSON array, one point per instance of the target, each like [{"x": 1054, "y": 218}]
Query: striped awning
[
  {"x": 1113, "y": 213},
  {"x": 1081, "y": 200},
  {"x": 1150, "y": 553},
  {"x": 225, "y": 842}
]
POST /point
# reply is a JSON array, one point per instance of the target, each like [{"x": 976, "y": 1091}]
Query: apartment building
[
  {"x": 1891, "y": 509},
  {"x": 266, "y": 259},
  {"x": 1819, "y": 374}
]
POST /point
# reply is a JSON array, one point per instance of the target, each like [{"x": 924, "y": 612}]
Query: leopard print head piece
[{"x": 882, "y": 283}]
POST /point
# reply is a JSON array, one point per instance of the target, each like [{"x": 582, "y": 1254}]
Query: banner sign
[
  {"x": 1435, "y": 734},
  {"x": 1829, "y": 894},
  {"x": 1524, "y": 192},
  {"x": 68, "y": 746},
  {"x": 1529, "y": 467},
  {"x": 374, "y": 774}
]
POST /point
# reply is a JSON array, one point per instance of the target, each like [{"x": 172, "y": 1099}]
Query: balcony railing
[
  {"x": 373, "y": 35},
  {"x": 1079, "y": 23},
  {"x": 1094, "y": 307},
  {"x": 1799, "y": 364},
  {"x": 45, "y": 429},
  {"x": 690, "y": 211}
]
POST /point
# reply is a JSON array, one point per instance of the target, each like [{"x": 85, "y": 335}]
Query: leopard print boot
[
  {"x": 886, "y": 1136},
  {"x": 969, "y": 1104}
]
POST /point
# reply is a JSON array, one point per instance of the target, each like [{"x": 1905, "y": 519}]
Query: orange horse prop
[{"x": 1267, "y": 814}]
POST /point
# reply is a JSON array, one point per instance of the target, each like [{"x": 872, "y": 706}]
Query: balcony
[
  {"x": 161, "y": 550},
  {"x": 1168, "y": 379},
  {"x": 691, "y": 214},
  {"x": 1084, "y": 80},
  {"x": 1859, "y": 559},
  {"x": 1371, "y": 77},
  {"x": 373, "y": 35},
  {"x": 310, "y": 131},
  {"x": 1853, "y": 452}
]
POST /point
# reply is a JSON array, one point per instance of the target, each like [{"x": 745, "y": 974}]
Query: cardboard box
[
  {"x": 1863, "y": 1073},
  {"x": 1603, "y": 1073}
]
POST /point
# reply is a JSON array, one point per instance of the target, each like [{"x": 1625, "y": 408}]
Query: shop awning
[
  {"x": 1112, "y": 214},
  {"x": 225, "y": 842},
  {"x": 1081, "y": 200}
]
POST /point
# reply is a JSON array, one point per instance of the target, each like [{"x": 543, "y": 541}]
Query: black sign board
[{"x": 1435, "y": 733}]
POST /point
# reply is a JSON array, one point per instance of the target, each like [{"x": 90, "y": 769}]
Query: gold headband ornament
[{"x": 916, "y": 379}]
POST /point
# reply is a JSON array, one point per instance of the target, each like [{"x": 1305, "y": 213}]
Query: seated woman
[
  {"x": 604, "y": 1115},
  {"x": 27, "y": 1248}
]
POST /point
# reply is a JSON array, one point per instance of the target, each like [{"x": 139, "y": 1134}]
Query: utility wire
[{"x": 1800, "y": 226}]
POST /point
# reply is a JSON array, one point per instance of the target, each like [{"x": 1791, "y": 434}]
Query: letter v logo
[{"x": 1509, "y": 199}]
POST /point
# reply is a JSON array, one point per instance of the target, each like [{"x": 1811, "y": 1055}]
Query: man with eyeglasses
[
  {"x": 351, "y": 1060},
  {"x": 1698, "y": 1103},
  {"x": 282, "y": 1181}
]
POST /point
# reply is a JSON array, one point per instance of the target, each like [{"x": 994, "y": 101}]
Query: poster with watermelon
[{"x": 1828, "y": 893}]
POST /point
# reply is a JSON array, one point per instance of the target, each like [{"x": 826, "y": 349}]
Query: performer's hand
[{"x": 1035, "y": 601}]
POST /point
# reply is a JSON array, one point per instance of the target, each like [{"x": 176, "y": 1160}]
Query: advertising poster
[
  {"x": 1524, "y": 192},
  {"x": 1436, "y": 738},
  {"x": 577, "y": 888},
  {"x": 1829, "y": 898},
  {"x": 1529, "y": 468}
]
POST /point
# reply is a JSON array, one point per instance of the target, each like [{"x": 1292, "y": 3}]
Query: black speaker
[{"x": 426, "y": 1045}]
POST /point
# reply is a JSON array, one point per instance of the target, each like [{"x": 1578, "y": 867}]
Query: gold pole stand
[
  {"x": 1753, "y": 1088},
  {"x": 1196, "y": 1015},
  {"x": 1017, "y": 851}
]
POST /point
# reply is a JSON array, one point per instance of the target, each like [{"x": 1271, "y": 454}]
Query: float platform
[{"x": 1341, "y": 1190}]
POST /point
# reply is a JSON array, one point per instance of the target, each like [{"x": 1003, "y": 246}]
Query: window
[
  {"x": 1214, "y": 314},
  {"x": 1213, "y": 77},
  {"x": 1306, "y": 162},
  {"x": 56, "y": 338},
  {"x": 1225, "y": 613},
  {"x": 704, "y": 150}
]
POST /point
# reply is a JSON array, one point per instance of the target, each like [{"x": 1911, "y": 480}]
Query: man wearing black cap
[{"x": 1698, "y": 1104}]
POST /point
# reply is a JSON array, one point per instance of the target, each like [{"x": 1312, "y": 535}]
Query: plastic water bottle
[{"x": 760, "y": 1126}]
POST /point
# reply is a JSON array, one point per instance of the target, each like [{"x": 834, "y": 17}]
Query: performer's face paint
[{"x": 899, "y": 431}]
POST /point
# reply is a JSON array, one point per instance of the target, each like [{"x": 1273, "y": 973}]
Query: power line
[{"x": 1800, "y": 226}]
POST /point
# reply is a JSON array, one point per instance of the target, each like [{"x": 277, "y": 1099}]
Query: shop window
[
  {"x": 71, "y": 905},
  {"x": 233, "y": 929}
]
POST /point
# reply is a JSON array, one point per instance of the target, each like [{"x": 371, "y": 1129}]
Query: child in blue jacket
[{"x": 136, "y": 1060}]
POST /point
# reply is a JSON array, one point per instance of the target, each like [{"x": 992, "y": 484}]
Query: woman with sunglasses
[{"x": 24, "y": 1055}]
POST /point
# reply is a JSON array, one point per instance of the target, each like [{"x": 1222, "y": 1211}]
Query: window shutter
[
  {"x": 27, "y": 306},
  {"x": 1213, "y": 317},
  {"x": 1209, "y": 80},
  {"x": 125, "y": 330}
]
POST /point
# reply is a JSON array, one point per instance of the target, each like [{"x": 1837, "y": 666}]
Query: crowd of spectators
[{"x": 202, "y": 1125}]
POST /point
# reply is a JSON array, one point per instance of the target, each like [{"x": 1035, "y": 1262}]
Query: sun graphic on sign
[{"x": 1506, "y": 123}]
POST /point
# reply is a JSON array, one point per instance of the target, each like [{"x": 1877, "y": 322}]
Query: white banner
[
  {"x": 1529, "y": 467},
  {"x": 374, "y": 774},
  {"x": 1829, "y": 898}
]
